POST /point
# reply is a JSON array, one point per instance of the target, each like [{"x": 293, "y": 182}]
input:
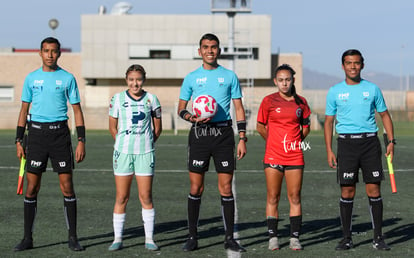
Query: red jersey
[{"x": 282, "y": 119}]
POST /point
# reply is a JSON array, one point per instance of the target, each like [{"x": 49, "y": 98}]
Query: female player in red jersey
[{"x": 283, "y": 121}]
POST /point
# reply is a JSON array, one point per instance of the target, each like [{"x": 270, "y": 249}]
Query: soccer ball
[{"x": 204, "y": 106}]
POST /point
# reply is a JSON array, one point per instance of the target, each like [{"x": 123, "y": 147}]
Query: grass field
[{"x": 96, "y": 193}]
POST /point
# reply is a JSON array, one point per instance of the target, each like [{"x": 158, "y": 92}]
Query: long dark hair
[{"x": 287, "y": 67}]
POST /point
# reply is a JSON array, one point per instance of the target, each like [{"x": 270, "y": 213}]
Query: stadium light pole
[{"x": 231, "y": 8}]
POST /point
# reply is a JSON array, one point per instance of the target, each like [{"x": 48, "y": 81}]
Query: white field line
[{"x": 185, "y": 171}]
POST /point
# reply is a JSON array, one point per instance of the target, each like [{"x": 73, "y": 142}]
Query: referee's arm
[{"x": 328, "y": 131}]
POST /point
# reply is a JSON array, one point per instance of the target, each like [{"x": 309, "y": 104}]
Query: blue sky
[{"x": 320, "y": 29}]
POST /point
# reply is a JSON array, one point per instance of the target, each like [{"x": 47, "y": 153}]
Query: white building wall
[{"x": 107, "y": 41}]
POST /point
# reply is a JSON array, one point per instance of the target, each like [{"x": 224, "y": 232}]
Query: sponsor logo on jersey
[
  {"x": 201, "y": 80},
  {"x": 58, "y": 82},
  {"x": 289, "y": 145},
  {"x": 366, "y": 95},
  {"x": 62, "y": 164},
  {"x": 343, "y": 96},
  {"x": 225, "y": 163},
  {"x": 278, "y": 110},
  {"x": 38, "y": 83},
  {"x": 137, "y": 116}
]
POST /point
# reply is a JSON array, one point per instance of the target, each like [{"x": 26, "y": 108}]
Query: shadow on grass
[{"x": 314, "y": 232}]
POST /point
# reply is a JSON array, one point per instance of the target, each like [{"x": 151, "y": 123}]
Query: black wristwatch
[
  {"x": 18, "y": 140},
  {"x": 243, "y": 139},
  {"x": 393, "y": 141},
  {"x": 82, "y": 139}
]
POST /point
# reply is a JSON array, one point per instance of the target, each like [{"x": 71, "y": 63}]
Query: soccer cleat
[
  {"x": 379, "y": 244},
  {"x": 345, "y": 244},
  {"x": 150, "y": 245},
  {"x": 74, "y": 245},
  {"x": 295, "y": 244},
  {"x": 233, "y": 245},
  {"x": 115, "y": 246},
  {"x": 273, "y": 243},
  {"x": 191, "y": 244},
  {"x": 25, "y": 244}
]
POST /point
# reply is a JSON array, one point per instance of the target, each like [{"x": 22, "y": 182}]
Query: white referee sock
[
  {"x": 148, "y": 218},
  {"x": 118, "y": 222}
]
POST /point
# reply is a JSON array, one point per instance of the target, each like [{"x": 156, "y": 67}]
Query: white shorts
[{"x": 128, "y": 164}]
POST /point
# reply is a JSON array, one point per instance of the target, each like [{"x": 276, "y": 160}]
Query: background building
[{"x": 166, "y": 45}]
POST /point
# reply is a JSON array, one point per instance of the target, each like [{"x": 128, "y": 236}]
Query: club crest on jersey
[{"x": 299, "y": 112}]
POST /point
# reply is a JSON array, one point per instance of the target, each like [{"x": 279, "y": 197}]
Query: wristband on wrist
[
  {"x": 20, "y": 132},
  {"x": 183, "y": 113},
  {"x": 80, "y": 130},
  {"x": 243, "y": 139},
  {"x": 241, "y": 126}
]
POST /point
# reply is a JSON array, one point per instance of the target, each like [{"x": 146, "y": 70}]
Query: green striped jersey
[{"x": 135, "y": 133}]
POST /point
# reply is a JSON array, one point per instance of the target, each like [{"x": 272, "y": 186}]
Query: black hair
[
  {"x": 287, "y": 67},
  {"x": 50, "y": 40},
  {"x": 136, "y": 68},
  {"x": 352, "y": 52},
  {"x": 209, "y": 36}
]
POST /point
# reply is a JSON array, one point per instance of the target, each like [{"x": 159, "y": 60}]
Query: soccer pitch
[{"x": 95, "y": 189}]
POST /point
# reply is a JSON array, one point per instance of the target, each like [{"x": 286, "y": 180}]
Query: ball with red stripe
[{"x": 204, "y": 106}]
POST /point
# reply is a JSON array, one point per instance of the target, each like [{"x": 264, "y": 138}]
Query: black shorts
[
  {"x": 359, "y": 152},
  {"x": 211, "y": 140},
  {"x": 282, "y": 168},
  {"x": 49, "y": 140}
]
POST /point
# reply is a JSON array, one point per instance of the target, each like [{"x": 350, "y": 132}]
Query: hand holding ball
[{"x": 204, "y": 106}]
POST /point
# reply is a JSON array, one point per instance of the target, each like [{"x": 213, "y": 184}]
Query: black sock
[
  {"x": 295, "y": 225},
  {"x": 272, "y": 223},
  {"x": 30, "y": 209},
  {"x": 376, "y": 208},
  {"x": 69, "y": 203},
  {"x": 194, "y": 202},
  {"x": 345, "y": 206},
  {"x": 227, "y": 211}
]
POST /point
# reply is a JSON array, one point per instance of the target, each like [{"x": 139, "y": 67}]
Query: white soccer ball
[{"x": 204, "y": 106}]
